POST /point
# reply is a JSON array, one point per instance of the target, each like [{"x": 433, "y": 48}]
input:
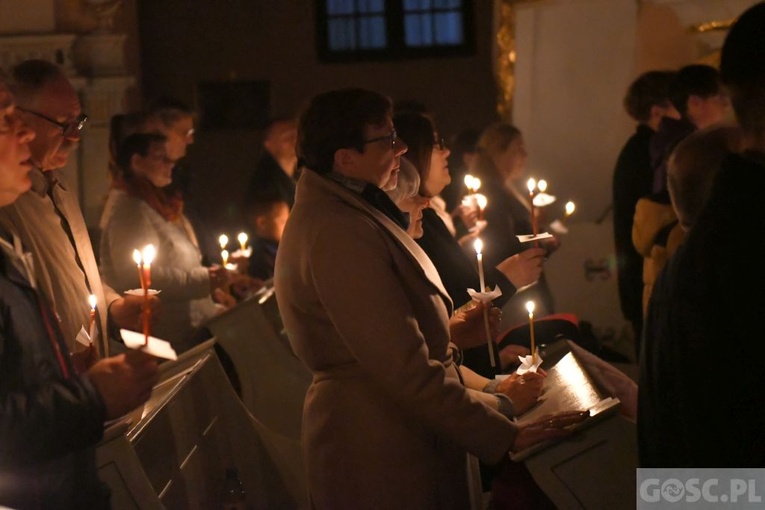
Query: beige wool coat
[{"x": 387, "y": 422}]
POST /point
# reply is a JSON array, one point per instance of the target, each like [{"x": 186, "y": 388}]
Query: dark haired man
[{"x": 647, "y": 102}]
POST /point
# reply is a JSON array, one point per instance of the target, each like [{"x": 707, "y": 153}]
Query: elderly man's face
[
  {"x": 380, "y": 160},
  {"x": 15, "y": 136},
  {"x": 57, "y": 101}
]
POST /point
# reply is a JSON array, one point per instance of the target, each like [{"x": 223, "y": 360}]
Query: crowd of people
[{"x": 355, "y": 202}]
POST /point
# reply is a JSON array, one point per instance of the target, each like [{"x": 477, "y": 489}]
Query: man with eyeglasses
[{"x": 48, "y": 217}]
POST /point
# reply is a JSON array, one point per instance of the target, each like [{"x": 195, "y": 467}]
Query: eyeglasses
[
  {"x": 391, "y": 139},
  {"x": 439, "y": 142},
  {"x": 68, "y": 129}
]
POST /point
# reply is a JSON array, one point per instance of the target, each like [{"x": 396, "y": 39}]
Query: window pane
[
  {"x": 372, "y": 32},
  {"x": 416, "y": 5},
  {"x": 339, "y": 7},
  {"x": 418, "y": 30},
  {"x": 371, "y": 6},
  {"x": 448, "y": 29},
  {"x": 342, "y": 35},
  {"x": 447, "y": 4}
]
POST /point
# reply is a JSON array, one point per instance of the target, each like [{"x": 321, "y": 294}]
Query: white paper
[
  {"x": 139, "y": 292},
  {"x": 485, "y": 297},
  {"x": 527, "y": 365},
  {"x": 155, "y": 347},
  {"x": 528, "y": 237},
  {"x": 240, "y": 253},
  {"x": 543, "y": 200},
  {"x": 558, "y": 227},
  {"x": 231, "y": 267},
  {"x": 83, "y": 337}
]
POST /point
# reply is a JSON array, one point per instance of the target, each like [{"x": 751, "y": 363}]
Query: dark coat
[
  {"x": 50, "y": 421},
  {"x": 706, "y": 311},
  {"x": 632, "y": 180},
  {"x": 262, "y": 259}
]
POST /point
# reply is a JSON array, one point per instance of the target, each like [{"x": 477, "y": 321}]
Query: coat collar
[{"x": 311, "y": 180}]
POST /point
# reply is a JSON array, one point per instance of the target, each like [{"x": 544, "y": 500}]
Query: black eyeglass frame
[
  {"x": 390, "y": 138},
  {"x": 67, "y": 128}
]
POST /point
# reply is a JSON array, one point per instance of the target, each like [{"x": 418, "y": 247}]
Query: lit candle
[
  {"x": 469, "y": 183},
  {"x": 223, "y": 241},
  {"x": 476, "y": 184},
  {"x": 92, "y": 300},
  {"x": 144, "y": 259},
  {"x": 530, "y": 308},
  {"x": 542, "y": 185},
  {"x": 478, "y": 245},
  {"x": 482, "y": 202},
  {"x": 242, "y": 237},
  {"x": 532, "y": 184},
  {"x": 570, "y": 208},
  {"x": 224, "y": 257}
]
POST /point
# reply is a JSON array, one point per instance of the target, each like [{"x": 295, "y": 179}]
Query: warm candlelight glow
[
  {"x": 570, "y": 208},
  {"x": 137, "y": 257},
  {"x": 530, "y": 308},
  {"x": 531, "y": 184},
  {"x": 476, "y": 183},
  {"x": 478, "y": 245},
  {"x": 149, "y": 252},
  {"x": 224, "y": 256},
  {"x": 542, "y": 185},
  {"x": 472, "y": 183},
  {"x": 223, "y": 241},
  {"x": 482, "y": 201},
  {"x": 92, "y": 300},
  {"x": 242, "y": 237}
]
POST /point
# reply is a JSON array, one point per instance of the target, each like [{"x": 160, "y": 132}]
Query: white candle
[
  {"x": 242, "y": 237},
  {"x": 530, "y": 308},
  {"x": 92, "y": 300},
  {"x": 478, "y": 245}
]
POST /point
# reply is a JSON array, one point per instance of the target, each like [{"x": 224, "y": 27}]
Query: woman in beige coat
[{"x": 387, "y": 422}]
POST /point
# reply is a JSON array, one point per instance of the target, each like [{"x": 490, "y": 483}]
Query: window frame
[{"x": 396, "y": 49}]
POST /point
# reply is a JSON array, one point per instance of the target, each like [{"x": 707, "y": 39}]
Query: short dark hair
[
  {"x": 262, "y": 206},
  {"x": 646, "y": 91},
  {"x": 336, "y": 120},
  {"x": 693, "y": 80},
  {"x": 417, "y": 131},
  {"x": 29, "y": 76},
  {"x": 137, "y": 143},
  {"x": 742, "y": 68},
  {"x": 121, "y": 126},
  {"x": 169, "y": 110}
]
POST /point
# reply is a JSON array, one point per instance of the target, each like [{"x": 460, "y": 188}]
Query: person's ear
[
  {"x": 345, "y": 159},
  {"x": 136, "y": 162},
  {"x": 694, "y": 102}
]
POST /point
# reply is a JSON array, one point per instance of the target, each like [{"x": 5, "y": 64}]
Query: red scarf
[{"x": 169, "y": 204}]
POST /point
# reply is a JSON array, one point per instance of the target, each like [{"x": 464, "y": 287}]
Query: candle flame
[
  {"x": 530, "y": 308},
  {"x": 478, "y": 245},
  {"x": 531, "y": 184},
  {"x": 223, "y": 241},
  {"x": 149, "y": 252},
  {"x": 476, "y": 183},
  {"x": 542, "y": 185},
  {"x": 92, "y": 300},
  {"x": 224, "y": 256},
  {"x": 482, "y": 201},
  {"x": 137, "y": 257},
  {"x": 570, "y": 208},
  {"x": 242, "y": 237}
]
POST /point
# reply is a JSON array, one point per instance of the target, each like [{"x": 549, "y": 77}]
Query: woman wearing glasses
[
  {"x": 457, "y": 270},
  {"x": 140, "y": 211}
]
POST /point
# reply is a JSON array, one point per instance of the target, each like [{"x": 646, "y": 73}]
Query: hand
[
  {"x": 218, "y": 277},
  {"x": 242, "y": 285},
  {"x": 467, "y": 329},
  {"x": 550, "y": 245},
  {"x": 84, "y": 359},
  {"x": 523, "y": 268},
  {"x": 467, "y": 240},
  {"x": 126, "y": 311},
  {"x": 124, "y": 381},
  {"x": 223, "y": 298},
  {"x": 524, "y": 390},
  {"x": 468, "y": 213},
  {"x": 509, "y": 355},
  {"x": 550, "y": 426}
]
